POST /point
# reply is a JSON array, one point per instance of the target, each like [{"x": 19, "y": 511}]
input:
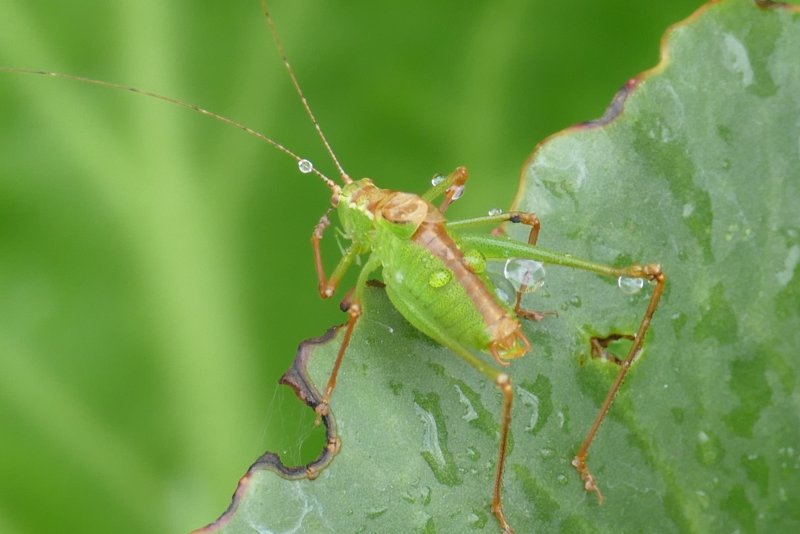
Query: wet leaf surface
[{"x": 698, "y": 169}]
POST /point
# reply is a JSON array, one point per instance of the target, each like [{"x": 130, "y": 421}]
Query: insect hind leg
[
  {"x": 649, "y": 272},
  {"x": 501, "y": 247},
  {"x": 527, "y": 218},
  {"x": 503, "y": 383}
]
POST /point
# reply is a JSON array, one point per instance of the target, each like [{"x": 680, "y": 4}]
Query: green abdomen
[{"x": 438, "y": 295}]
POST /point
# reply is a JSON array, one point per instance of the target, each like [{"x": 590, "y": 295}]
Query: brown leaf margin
[
  {"x": 298, "y": 379},
  {"x": 617, "y": 105}
]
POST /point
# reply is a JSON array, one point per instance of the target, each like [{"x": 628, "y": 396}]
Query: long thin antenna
[
  {"x": 275, "y": 37},
  {"x": 304, "y": 165}
]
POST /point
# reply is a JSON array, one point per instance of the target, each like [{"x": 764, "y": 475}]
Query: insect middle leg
[
  {"x": 351, "y": 304},
  {"x": 327, "y": 285},
  {"x": 517, "y": 217}
]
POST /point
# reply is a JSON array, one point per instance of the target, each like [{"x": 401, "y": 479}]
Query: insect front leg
[
  {"x": 327, "y": 285},
  {"x": 352, "y": 303},
  {"x": 503, "y": 247}
]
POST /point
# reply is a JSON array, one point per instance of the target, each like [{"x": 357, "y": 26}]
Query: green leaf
[{"x": 696, "y": 166}]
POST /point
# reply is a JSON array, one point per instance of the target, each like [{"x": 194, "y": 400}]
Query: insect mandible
[{"x": 434, "y": 274}]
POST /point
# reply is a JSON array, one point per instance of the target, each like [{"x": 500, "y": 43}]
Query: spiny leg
[
  {"x": 503, "y": 383},
  {"x": 352, "y": 305},
  {"x": 354, "y": 312},
  {"x": 327, "y": 285},
  {"x": 517, "y": 217},
  {"x": 649, "y": 272},
  {"x": 502, "y": 247}
]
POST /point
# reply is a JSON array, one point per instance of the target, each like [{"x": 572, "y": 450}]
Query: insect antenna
[
  {"x": 276, "y": 38},
  {"x": 305, "y": 165}
]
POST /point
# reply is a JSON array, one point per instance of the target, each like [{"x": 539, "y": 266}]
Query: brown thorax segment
[{"x": 407, "y": 208}]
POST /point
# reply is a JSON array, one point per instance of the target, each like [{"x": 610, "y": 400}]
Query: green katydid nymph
[{"x": 434, "y": 272}]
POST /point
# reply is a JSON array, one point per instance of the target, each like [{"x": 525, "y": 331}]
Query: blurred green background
[{"x": 155, "y": 268}]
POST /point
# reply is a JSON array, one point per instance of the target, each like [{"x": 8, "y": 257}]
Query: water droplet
[
  {"x": 630, "y": 286},
  {"x": 575, "y": 301},
  {"x": 425, "y": 493},
  {"x": 495, "y": 211},
  {"x": 505, "y": 291},
  {"x": 437, "y": 179},
  {"x": 521, "y": 272},
  {"x": 375, "y": 513},
  {"x": 532, "y": 401},
  {"x": 470, "y": 414},
  {"x": 434, "y": 448},
  {"x": 477, "y": 519},
  {"x": 457, "y": 192},
  {"x": 305, "y": 166},
  {"x": 440, "y": 278},
  {"x": 709, "y": 449},
  {"x": 475, "y": 261}
]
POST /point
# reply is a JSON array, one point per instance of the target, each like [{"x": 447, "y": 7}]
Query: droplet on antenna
[{"x": 305, "y": 166}]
